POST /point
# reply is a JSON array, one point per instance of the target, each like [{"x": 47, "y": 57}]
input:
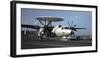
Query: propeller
[
  {"x": 45, "y": 26},
  {"x": 73, "y": 27}
]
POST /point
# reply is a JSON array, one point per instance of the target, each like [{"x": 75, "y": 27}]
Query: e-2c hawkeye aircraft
[{"x": 48, "y": 30}]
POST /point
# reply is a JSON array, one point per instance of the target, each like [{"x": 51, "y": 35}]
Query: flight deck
[{"x": 31, "y": 41}]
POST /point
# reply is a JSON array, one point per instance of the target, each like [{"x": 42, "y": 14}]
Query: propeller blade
[
  {"x": 69, "y": 24},
  {"x": 45, "y": 21},
  {"x": 41, "y": 22},
  {"x": 74, "y": 25},
  {"x": 74, "y": 29},
  {"x": 49, "y": 23},
  {"x": 73, "y": 33}
]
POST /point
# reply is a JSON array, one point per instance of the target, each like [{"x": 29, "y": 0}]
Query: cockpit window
[{"x": 59, "y": 25}]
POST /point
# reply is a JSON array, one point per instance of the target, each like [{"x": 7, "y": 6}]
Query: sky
[{"x": 83, "y": 19}]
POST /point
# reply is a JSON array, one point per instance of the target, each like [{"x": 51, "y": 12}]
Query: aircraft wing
[
  {"x": 79, "y": 28},
  {"x": 73, "y": 28},
  {"x": 30, "y": 26}
]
